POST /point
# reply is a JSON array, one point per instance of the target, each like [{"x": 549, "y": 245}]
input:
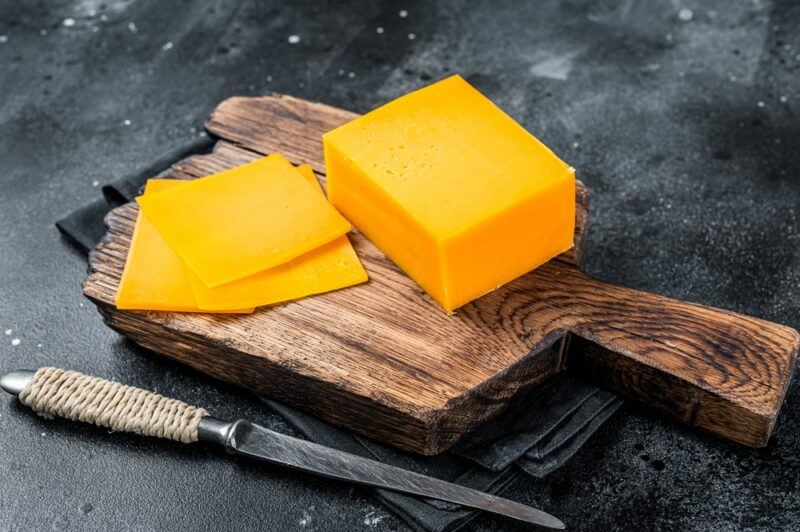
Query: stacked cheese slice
[{"x": 258, "y": 234}]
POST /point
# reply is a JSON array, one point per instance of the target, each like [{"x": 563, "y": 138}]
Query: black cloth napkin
[{"x": 538, "y": 433}]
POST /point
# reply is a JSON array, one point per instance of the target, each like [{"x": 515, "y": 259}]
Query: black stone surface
[{"x": 682, "y": 118}]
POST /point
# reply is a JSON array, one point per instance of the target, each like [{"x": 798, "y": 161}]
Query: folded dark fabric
[
  {"x": 559, "y": 446},
  {"x": 420, "y": 514},
  {"x": 84, "y": 227},
  {"x": 546, "y": 410},
  {"x": 539, "y": 431}
]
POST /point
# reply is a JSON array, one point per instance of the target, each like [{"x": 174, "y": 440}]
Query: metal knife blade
[
  {"x": 252, "y": 440},
  {"x": 64, "y": 393}
]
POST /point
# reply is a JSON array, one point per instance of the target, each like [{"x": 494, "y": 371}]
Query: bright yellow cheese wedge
[
  {"x": 452, "y": 189},
  {"x": 244, "y": 220},
  {"x": 154, "y": 276},
  {"x": 330, "y": 267}
]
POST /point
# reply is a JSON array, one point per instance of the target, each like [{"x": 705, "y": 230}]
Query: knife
[{"x": 69, "y": 394}]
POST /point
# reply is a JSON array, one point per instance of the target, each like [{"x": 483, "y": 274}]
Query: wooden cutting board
[{"x": 385, "y": 361}]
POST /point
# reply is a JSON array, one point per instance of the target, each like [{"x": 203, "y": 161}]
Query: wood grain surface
[{"x": 384, "y": 360}]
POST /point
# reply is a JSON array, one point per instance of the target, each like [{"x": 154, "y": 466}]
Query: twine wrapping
[{"x": 75, "y": 396}]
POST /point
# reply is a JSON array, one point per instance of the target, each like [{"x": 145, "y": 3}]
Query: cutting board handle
[{"x": 714, "y": 369}]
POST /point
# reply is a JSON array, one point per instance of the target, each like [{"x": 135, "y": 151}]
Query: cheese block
[
  {"x": 330, "y": 267},
  {"x": 452, "y": 189},
  {"x": 154, "y": 276},
  {"x": 244, "y": 220}
]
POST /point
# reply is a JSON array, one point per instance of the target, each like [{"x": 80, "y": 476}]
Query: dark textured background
[{"x": 682, "y": 123}]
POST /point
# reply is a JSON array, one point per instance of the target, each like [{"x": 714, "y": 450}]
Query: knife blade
[
  {"x": 51, "y": 391},
  {"x": 255, "y": 441}
]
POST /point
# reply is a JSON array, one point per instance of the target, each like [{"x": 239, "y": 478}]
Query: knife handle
[{"x": 57, "y": 392}]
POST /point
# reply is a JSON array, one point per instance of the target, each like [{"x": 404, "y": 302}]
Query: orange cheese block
[
  {"x": 452, "y": 189},
  {"x": 330, "y": 267},
  {"x": 244, "y": 220},
  {"x": 154, "y": 276}
]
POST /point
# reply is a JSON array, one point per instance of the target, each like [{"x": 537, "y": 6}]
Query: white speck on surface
[
  {"x": 269, "y": 78},
  {"x": 341, "y": 72},
  {"x": 104, "y": 17},
  {"x": 373, "y": 518},
  {"x": 555, "y": 65},
  {"x": 8, "y": 332},
  {"x": 15, "y": 341},
  {"x": 38, "y": 345},
  {"x": 42, "y": 31},
  {"x": 685, "y": 15},
  {"x": 403, "y": 13},
  {"x": 80, "y": 305},
  {"x": 351, "y": 74},
  {"x": 411, "y": 36},
  {"x": 308, "y": 517},
  {"x": 294, "y": 39},
  {"x": 761, "y": 104},
  {"x": 3, "y": 38},
  {"x": 576, "y": 145},
  {"x": 44, "y": 434},
  {"x": 95, "y": 29},
  {"x": 95, "y": 183},
  {"x": 167, "y": 46},
  {"x": 91, "y": 12},
  {"x": 783, "y": 99},
  {"x": 68, "y": 22},
  {"x": 379, "y": 29},
  {"x": 669, "y": 37},
  {"x": 132, "y": 27},
  {"x": 126, "y": 122}
]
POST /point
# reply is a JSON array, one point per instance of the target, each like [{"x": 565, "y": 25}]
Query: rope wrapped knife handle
[
  {"x": 57, "y": 392},
  {"x": 68, "y": 394}
]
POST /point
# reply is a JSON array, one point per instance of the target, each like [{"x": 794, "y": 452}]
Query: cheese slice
[
  {"x": 452, "y": 189},
  {"x": 244, "y": 220},
  {"x": 330, "y": 267},
  {"x": 154, "y": 276}
]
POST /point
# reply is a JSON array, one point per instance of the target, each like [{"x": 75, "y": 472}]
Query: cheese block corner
[{"x": 452, "y": 189}]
